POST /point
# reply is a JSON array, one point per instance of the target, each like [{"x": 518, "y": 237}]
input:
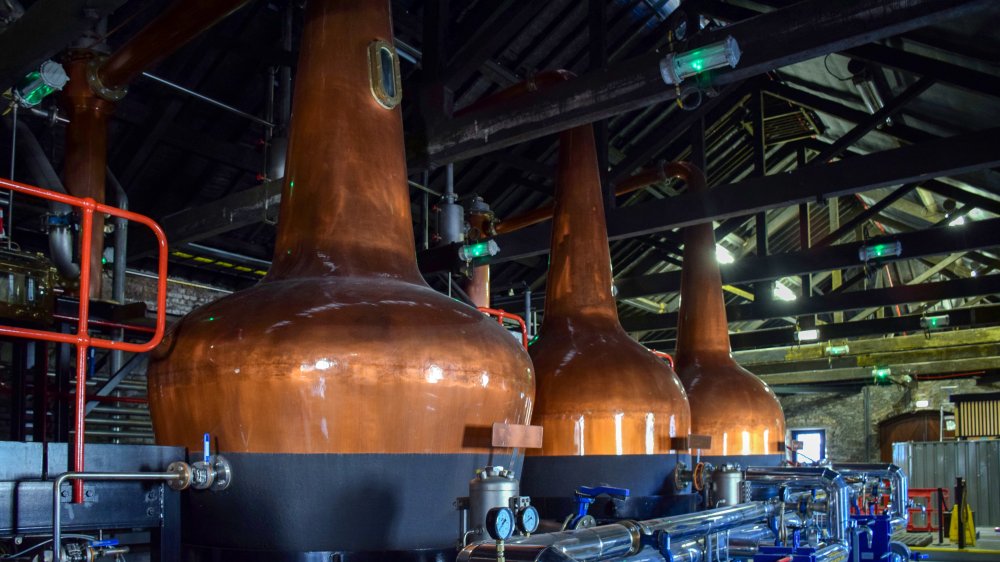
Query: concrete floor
[{"x": 987, "y": 548}]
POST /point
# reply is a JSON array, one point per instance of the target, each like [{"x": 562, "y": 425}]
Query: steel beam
[
  {"x": 250, "y": 206},
  {"x": 917, "y": 163},
  {"x": 853, "y": 300},
  {"x": 797, "y": 33},
  {"x": 986, "y": 315},
  {"x": 46, "y": 28},
  {"x": 941, "y": 71},
  {"x": 931, "y": 242}
]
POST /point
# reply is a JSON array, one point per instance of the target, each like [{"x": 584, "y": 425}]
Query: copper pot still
[
  {"x": 342, "y": 348},
  {"x": 732, "y": 405},
  {"x": 599, "y": 391}
]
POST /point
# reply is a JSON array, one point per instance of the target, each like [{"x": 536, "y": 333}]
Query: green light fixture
[
  {"x": 675, "y": 67},
  {"x": 49, "y": 77},
  {"x": 470, "y": 252},
  {"x": 879, "y": 251}
]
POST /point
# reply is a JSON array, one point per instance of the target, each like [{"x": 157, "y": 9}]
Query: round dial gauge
[
  {"x": 528, "y": 520},
  {"x": 500, "y": 523}
]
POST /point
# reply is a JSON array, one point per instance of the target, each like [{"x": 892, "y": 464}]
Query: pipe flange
[
  {"x": 635, "y": 530},
  {"x": 94, "y": 80},
  {"x": 223, "y": 473},
  {"x": 184, "y": 470}
]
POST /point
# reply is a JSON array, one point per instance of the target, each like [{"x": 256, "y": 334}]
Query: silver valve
[{"x": 213, "y": 472}]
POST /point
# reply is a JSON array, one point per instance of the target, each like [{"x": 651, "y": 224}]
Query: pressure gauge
[
  {"x": 500, "y": 523},
  {"x": 527, "y": 520}
]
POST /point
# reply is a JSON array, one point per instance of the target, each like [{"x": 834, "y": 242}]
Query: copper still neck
[
  {"x": 702, "y": 327},
  {"x": 579, "y": 280},
  {"x": 345, "y": 207}
]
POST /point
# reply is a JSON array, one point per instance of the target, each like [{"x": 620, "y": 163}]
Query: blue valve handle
[
  {"x": 106, "y": 542},
  {"x": 206, "y": 452},
  {"x": 585, "y": 495}
]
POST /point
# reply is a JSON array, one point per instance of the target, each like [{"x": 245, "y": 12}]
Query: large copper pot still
[
  {"x": 738, "y": 410},
  {"x": 342, "y": 348},
  {"x": 599, "y": 391}
]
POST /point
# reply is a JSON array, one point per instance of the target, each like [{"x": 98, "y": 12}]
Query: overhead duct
[
  {"x": 738, "y": 410},
  {"x": 341, "y": 380}
]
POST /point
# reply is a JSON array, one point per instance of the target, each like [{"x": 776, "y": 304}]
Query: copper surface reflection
[
  {"x": 86, "y": 150},
  {"x": 342, "y": 348},
  {"x": 737, "y": 409},
  {"x": 599, "y": 392}
]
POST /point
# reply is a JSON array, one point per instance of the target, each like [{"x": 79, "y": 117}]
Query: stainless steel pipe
[
  {"x": 57, "y": 503},
  {"x": 621, "y": 540},
  {"x": 837, "y": 490},
  {"x": 895, "y": 475}
]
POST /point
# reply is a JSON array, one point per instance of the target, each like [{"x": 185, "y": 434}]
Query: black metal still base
[{"x": 366, "y": 507}]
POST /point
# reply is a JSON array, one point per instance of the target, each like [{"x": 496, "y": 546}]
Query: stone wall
[
  {"x": 182, "y": 298},
  {"x": 843, "y": 415}
]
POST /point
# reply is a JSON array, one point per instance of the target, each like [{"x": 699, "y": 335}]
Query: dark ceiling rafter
[
  {"x": 802, "y": 31},
  {"x": 915, "y": 163},
  {"x": 930, "y": 242},
  {"x": 853, "y": 300},
  {"x": 44, "y": 30}
]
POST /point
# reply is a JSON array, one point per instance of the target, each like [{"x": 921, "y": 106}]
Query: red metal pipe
[
  {"x": 663, "y": 355},
  {"x": 82, "y": 339},
  {"x": 502, "y": 315}
]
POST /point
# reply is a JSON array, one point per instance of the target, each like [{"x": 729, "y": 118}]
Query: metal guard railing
[{"x": 81, "y": 339}]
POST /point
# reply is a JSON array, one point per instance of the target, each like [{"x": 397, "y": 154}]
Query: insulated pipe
[
  {"x": 838, "y": 491},
  {"x": 891, "y": 472},
  {"x": 118, "y": 268},
  {"x": 61, "y": 241},
  {"x": 181, "y": 22},
  {"x": 619, "y": 540}
]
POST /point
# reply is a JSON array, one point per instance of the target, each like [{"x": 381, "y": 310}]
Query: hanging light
[
  {"x": 49, "y": 77},
  {"x": 675, "y": 67}
]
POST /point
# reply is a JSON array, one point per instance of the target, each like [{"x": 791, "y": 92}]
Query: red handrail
[
  {"x": 502, "y": 315},
  {"x": 663, "y": 355},
  {"x": 81, "y": 339}
]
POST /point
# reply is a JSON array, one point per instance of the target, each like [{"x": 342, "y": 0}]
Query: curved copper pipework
[
  {"x": 86, "y": 151},
  {"x": 342, "y": 348},
  {"x": 478, "y": 286},
  {"x": 737, "y": 409},
  {"x": 88, "y": 113},
  {"x": 181, "y": 22},
  {"x": 599, "y": 391},
  {"x": 644, "y": 178}
]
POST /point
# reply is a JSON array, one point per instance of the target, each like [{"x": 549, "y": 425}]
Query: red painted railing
[
  {"x": 502, "y": 315},
  {"x": 81, "y": 339}
]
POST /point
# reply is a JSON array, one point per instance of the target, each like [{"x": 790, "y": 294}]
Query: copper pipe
[
  {"x": 644, "y": 178},
  {"x": 737, "y": 409},
  {"x": 86, "y": 151},
  {"x": 181, "y": 22},
  {"x": 599, "y": 391},
  {"x": 88, "y": 112},
  {"x": 342, "y": 348},
  {"x": 478, "y": 286}
]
